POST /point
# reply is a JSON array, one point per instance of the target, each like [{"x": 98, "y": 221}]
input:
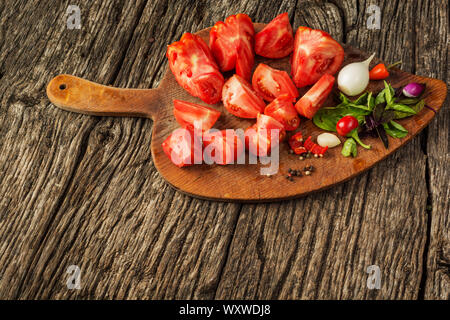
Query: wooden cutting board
[{"x": 239, "y": 182}]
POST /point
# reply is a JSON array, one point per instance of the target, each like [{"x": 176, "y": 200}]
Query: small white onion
[
  {"x": 328, "y": 140},
  {"x": 354, "y": 77}
]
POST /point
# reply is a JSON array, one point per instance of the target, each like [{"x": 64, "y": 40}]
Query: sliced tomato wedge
[
  {"x": 282, "y": 109},
  {"x": 240, "y": 99},
  {"x": 222, "y": 147},
  {"x": 195, "y": 69},
  {"x": 314, "y": 148},
  {"x": 270, "y": 83},
  {"x": 308, "y": 105},
  {"x": 189, "y": 114},
  {"x": 260, "y": 137},
  {"x": 232, "y": 44},
  {"x": 276, "y": 40},
  {"x": 315, "y": 53},
  {"x": 183, "y": 148}
]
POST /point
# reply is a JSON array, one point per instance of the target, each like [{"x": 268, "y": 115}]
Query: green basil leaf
[
  {"x": 408, "y": 101},
  {"x": 359, "y": 106},
  {"x": 397, "y": 126},
  {"x": 402, "y": 108},
  {"x": 343, "y": 98},
  {"x": 388, "y": 93},
  {"x": 370, "y": 101},
  {"x": 417, "y": 108},
  {"x": 380, "y": 99},
  {"x": 327, "y": 118},
  {"x": 362, "y": 99},
  {"x": 394, "y": 132},
  {"x": 324, "y": 122}
]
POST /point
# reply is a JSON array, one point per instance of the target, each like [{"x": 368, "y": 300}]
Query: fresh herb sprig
[{"x": 375, "y": 114}]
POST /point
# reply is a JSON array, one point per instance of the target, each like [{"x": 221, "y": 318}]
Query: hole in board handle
[{"x": 62, "y": 86}]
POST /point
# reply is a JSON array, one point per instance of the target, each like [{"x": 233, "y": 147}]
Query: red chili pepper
[
  {"x": 346, "y": 124},
  {"x": 380, "y": 71},
  {"x": 296, "y": 143},
  {"x": 314, "y": 148}
]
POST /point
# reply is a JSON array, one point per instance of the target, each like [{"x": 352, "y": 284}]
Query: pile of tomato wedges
[{"x": 268, "y": 95}]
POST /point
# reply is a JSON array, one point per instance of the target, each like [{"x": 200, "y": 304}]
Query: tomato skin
[
  {"x": 282, "y": 109},
  {"x": 270, "y": 83},
  {"x": 315, "y": 53},
  {"x": 183, "y": 148},
  {"x": 240, "y": 99},
  {"x": 258, "y": 137},
  {"x": 313, "y": 99},
  {"x": 224, "y": 146},
  {"x": 186, "y": 113},
  {"x": 232, "y": 44},
  {"x": 346, "y": 124},
  {"x": 275, "y": 40},
  {"x": 195, "y": 69}
]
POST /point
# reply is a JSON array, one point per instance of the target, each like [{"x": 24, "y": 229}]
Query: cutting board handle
[{"x": 79, "y": 95}]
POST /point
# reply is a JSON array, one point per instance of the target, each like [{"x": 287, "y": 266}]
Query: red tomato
[
  {"x": 308, "y": 105},
  {"x": 346, "y": 124},
  {"x": 282, "y": 110},
  {"x": 315, "y": 53},
  {"x": 183, "y": 148},
  {"x": 240, "y": 99},
  {"x": 232, "y": 44},
  {"x": 276, "y": 40},
  {"x": 222, "y": 147},
  {"x": 259, "y": 137},
  {"x": 270, "y": 83},
  {"x": 195, "y": 69},
  {"x": 187, "y": 113}
]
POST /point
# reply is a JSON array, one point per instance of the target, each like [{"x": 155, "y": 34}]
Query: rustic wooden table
[{"x": 80, "y": 190}]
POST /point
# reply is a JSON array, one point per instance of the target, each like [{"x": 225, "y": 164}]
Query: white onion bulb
[{"x": 354, "y": 77}]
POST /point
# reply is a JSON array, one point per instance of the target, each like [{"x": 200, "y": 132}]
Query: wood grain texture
[
  {"x": 436, "y": 144},
  {"x": 81, "y": 190}
]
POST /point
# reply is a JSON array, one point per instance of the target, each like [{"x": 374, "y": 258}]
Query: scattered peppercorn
[{"x": 291, "y": 151}]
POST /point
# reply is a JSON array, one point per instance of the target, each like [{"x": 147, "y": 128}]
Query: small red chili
[
  {"x": 296, "y": 143},
  {"x": 346, "y": 124},
  {"x": 380, "y": 71},
  {"x": 314, "y": 148}
]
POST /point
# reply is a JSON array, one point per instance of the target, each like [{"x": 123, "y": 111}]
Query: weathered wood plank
[
  {"x": 432, "y": 57},
  {"x": 320, "y": 246},
  {"x": 40, "y": 146}
]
